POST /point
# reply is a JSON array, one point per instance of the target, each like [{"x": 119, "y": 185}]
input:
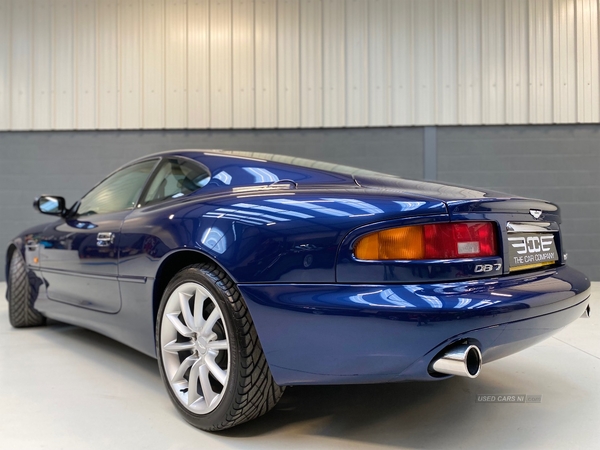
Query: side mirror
[{"x": 50, "y": 204}]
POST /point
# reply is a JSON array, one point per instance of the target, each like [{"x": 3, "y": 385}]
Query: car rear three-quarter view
[{"x": 244, "y": 273}]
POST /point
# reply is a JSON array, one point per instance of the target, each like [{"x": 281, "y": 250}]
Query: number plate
[{"x": 530, "y": 250}]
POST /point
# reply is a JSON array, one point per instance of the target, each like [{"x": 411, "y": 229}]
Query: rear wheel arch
[{"x": 170, "y": 266}]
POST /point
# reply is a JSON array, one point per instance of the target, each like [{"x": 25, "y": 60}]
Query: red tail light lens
[
  {"x": 436, "y": 241},
  {"x": 460, "y": 240}
]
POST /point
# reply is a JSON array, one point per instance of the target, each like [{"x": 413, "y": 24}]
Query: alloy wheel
[{"x": 195, "y": 348}]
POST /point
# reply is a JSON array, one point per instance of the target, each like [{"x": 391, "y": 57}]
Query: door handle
[{"x": 105, "y": 239}]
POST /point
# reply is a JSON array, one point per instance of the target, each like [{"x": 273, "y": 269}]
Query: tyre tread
[{"x": 21, "y": 295}]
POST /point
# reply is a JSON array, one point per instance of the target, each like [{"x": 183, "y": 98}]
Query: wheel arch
[{"x": 172, "y": 264}]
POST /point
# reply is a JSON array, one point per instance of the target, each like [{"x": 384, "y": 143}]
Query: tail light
[{"x": 435, "y": 241}]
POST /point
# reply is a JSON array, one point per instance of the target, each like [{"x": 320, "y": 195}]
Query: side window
[
  {"x": 118, "y": 192},
  {"x": 176, "y": 178}
]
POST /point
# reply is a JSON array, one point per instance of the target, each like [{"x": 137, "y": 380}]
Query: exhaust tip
[
  {"x": 461, "y": 360},
  {"x": 473, "y": 361}
]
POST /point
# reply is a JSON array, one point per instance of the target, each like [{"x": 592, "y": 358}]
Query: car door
[{"x": 79, "y": 253}]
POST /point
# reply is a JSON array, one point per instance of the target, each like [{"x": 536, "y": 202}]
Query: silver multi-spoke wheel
[{"x": 195, "y": 348}]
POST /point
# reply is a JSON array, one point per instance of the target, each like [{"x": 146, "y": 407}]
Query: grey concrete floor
[{"x": 63, "y": 387}]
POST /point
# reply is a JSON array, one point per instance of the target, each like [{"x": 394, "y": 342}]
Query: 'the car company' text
[{"x": 532, "y": 249}]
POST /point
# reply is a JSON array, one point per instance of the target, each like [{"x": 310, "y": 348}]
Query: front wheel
[
  {"x": 209, "y": 355},
  {"x": 21, "y": 295}
]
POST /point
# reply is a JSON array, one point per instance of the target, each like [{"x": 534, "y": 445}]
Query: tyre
[
  {"x": 209, "y": 355},
  {"x": 21, "y": 295}
]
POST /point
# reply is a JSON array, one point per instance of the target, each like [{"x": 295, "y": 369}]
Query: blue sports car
[{"x": 244, "y": 273}]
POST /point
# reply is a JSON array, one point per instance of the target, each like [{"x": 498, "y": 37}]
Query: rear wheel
[
  {"x": 21, "y": 296},
  {"x": 210, "y": 358}
]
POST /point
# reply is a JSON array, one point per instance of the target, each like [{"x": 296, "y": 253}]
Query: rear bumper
[{"x": 333, "y": 333}]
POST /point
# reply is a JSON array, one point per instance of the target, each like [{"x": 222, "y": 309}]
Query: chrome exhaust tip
[
  {"x": 587, "y": 313},
  {"x": 461, "y": 360}
]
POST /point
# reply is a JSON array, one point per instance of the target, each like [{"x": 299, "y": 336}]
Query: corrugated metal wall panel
[
  {"x": 493, "y": 91},
  {"x": 5, "y": 63},
  {"x": 334, "y": 61},
  {"x": 517, "y": 57},
  {"x": 87, "y": 64},
  {"x": 108, "y": 70},
  {"x": 588, "y": 106},
  {"x": 288, "y": 63},
  {"x": 311, "y": 63},
  {"x": 20, "y": 69},
  {"x": 220, "y": 64},
  {"x": 153, "y": 64},
  {"x": 63, "y": 67},
  {"x": 357, "y": 63},
  {"x": 540, "y": 61},
  {"x": 469, "y": 62},
  {"x": 243, "y": 64},
  {"x": 446, "y": 52},
  {"x": 42, "y": 65},
  {"x": 265, "y": 40},
  {"x": 379, "y": 63},
  {"x": 198, "y": 63},
  {"x": 424, "y": 35},
  {"x": 401, "y": 44},
  {"x": 176, "y": 64},
  {"x": 130, "y": 56},
  {"x": 564, "y": 63}
]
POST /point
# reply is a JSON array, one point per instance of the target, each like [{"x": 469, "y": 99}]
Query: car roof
[{"x": 216, "y": 159}]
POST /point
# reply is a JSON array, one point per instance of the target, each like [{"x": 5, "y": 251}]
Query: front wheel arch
[
  {"x": 22, "y": 291},
  {"x": 9, "y": 254}
]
